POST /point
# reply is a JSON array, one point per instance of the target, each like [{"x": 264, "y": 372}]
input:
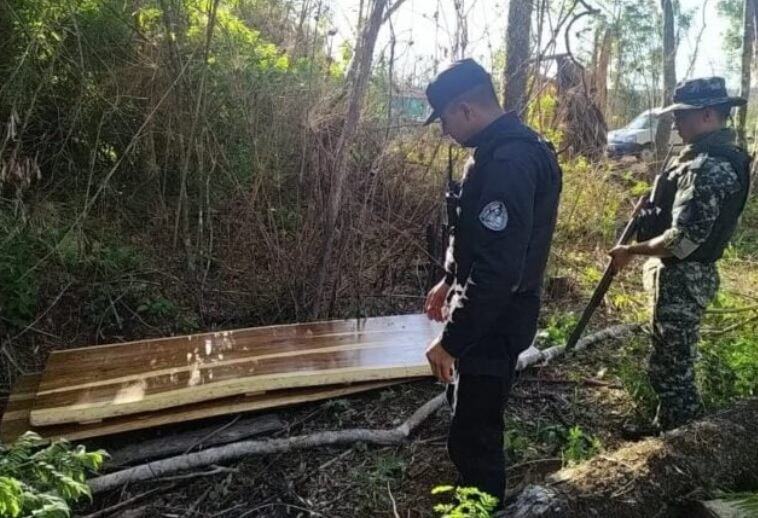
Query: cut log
[
  {"x": 650, "y": 477},
  {"x": 203, "y": 437}
]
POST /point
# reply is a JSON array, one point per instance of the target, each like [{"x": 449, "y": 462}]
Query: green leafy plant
[
  {"x": 387, "y": 467},
  {"x": 18, "y": 292},
  {"x": 747, "y": 502},
  {"x": 41, "y": 479},
  {"x": 516, "y": 444},
  {"x": 558, "y": 327},
  {"x": 468, "y": 502},
  {"x": 579, "y": 446},
  {"x": 157, "y": 307}
]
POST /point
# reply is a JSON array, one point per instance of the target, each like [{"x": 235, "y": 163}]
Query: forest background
[{"x": 174, "y": 166}]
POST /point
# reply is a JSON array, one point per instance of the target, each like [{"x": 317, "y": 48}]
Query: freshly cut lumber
[
  {"x": 15, "y": 419},
  {"x": 645, "y": 478},
  {"x": 230, "y": 452},
  {"x": 81, "y": 385}
]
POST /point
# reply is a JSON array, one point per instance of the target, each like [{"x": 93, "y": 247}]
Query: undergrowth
[{"x": 40, "y": 480}]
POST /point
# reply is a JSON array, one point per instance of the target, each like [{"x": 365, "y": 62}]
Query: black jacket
[{"x": 499, "y": 246}]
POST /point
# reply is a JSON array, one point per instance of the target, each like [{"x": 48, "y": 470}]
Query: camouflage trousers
[{"x": 679, "y": 295}]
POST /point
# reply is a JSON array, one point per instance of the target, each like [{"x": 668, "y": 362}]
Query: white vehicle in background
[{"x": 638, "y": 137}]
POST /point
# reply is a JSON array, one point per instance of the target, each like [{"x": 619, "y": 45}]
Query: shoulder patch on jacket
[{"x": 494, "y": 216}]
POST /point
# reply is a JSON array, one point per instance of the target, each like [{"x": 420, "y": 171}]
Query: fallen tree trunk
[{"x": 652, "y": 477}]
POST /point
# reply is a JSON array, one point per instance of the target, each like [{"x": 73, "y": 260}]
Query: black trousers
[{"x": 475, "y": 440}]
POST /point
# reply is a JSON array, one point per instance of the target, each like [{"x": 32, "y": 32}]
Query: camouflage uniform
[{"x": 681, "y": 289}]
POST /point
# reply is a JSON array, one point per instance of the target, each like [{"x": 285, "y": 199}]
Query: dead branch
[
  {"x": 124, "y": 503},
  {"x": 533, "y": 355},
  {"x": 238, "y": 450},
  {"x": 234, "y": 431},
  {"x": 727, "y": 329}
]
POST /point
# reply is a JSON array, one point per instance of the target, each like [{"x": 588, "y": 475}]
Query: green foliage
[
  {"x": 517, "y": 444},
  {"x": 18, "y": 292},
  {"x": 541, "y": 115},
  {"x": 99, "y": 259},
  {"x": 579, "y": 446},
  {"x": 158, "y": 308},
  {"x": 468, "y": 502},
  {"x": 632, "y": 305},
  {"x": 747, "y": 502},
  {"x": 731, "y": 12},
  {"x": 590, "y": 203},
  {"x": 386, "y": 468},
  {"x": 728, "y": 366},
  {"x": 745, "y": 240},
  {"x": 558, "y": 327},
  {"x": 41, "y": 479},
  {"x": 633, "y": 375}
]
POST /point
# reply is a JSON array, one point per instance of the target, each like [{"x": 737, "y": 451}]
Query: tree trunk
[
  {"x": 461, "y": 30},
  {"x": 601, "y": 73},
  {"x": 581, "y": 121},
  {"x": 748, "y": 34},
  {"x": 517, "y": 55},
  {"x": 653, "y": 477},
  {"x": 663, "y": 132},
  {"x": 339, "y": 163}
]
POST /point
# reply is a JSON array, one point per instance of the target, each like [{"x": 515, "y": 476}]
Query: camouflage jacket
[{"x": 698, "y": 197}]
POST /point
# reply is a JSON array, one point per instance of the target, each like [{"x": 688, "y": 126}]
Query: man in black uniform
[{"x": 500, "y": 236}]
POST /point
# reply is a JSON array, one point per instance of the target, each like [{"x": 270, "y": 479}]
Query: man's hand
[
  {"x": 620, "y": 257},
  {"x": 434, "y": 307},
  {"x": 440, "y": 361}
]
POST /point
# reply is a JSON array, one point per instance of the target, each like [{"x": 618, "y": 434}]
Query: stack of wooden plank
[{"x": 101, "y": 390}]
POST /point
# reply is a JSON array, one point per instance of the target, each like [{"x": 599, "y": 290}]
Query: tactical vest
[{"x": 656, "y": 217}]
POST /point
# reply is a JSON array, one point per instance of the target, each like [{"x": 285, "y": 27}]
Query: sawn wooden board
[
  {"x": 15, "y": 418},
  {"x": 101, "y": 382}
]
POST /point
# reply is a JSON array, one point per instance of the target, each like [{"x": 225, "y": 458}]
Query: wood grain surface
[
  {"x": 15, "y": 418},
  {"x": 81, "y": 385}
]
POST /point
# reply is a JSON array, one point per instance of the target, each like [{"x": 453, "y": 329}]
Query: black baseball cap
[{"x": 458, "y": 78}]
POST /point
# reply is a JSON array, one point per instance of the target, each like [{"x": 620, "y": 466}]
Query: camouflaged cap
[{"x": 695, "y": 94}]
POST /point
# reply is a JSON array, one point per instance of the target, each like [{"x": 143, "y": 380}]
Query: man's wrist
[{"x": 447, "y": 349}]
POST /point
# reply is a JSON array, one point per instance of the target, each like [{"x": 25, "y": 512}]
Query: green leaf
[{"x": 11, "y": 497}]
